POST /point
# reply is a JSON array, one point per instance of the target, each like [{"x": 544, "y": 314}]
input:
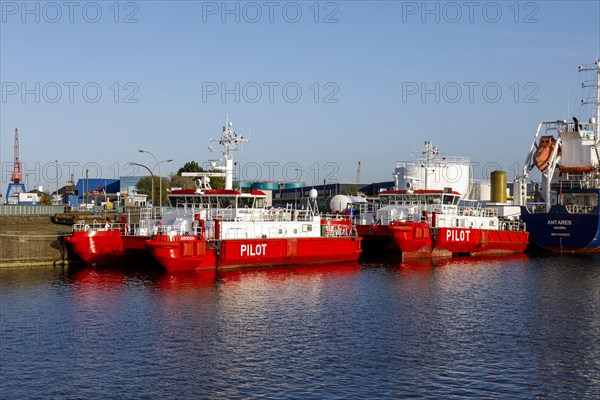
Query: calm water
[{"x": 520, "y": 327}]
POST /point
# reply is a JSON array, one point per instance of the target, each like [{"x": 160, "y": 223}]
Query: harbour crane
[{"x": 15, "y": 187}]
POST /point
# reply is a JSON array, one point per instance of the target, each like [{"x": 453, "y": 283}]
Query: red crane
[{"x": 17, "y": 176}]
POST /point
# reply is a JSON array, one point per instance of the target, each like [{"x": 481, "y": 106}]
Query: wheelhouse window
[
  {"x": 448, "y": 199},
  {"x": 245, "y": 202},
  {"x": 225, "y": 202},
  {"x": 259, "y": 202}
]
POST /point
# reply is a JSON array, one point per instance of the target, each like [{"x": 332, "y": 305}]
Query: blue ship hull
[{"x": 559, "y": 230}]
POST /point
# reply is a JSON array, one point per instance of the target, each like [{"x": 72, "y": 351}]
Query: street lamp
[
  {"x": 160, "y": 180},
  {"x": 56, "y": 193},
  {"x": 151, "y": 177},
  {"x": 159, "y": 173}
]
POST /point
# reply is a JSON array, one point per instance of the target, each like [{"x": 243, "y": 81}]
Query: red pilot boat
[
  {"x": 429, "y": 218},
  {"x": 248, "y": 234},
  {"x": 229, "y": 229},
  {"x": 209, "y": 229},
  {"x": 104, "y": 243},
  {"x": 425, "y": 223}
]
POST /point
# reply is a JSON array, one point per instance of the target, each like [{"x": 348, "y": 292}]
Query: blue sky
[{"x": 377, "y": 78}]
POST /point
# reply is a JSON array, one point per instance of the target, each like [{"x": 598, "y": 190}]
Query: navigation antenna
[
  {"x": 593, "y": 67},
  {"x": 229, "y": 142}
]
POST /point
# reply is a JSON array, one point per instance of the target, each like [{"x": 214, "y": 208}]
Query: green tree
[
  {"x": 45, "y": 199},
  {"x": 190, "y": 166},
  {"x": 217, "y": 182},
  {"x": 144, "y": 186},
  {"x": 183, "y": 182}
]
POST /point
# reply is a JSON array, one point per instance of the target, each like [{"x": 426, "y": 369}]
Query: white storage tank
[
  {"x": 339, "y": 203},
  {"x": 434, "y": 171},
  {"x": 481, "y": 190}
]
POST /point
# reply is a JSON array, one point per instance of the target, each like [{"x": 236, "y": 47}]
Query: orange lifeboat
[
  {"x": 577, "y": 170},
  {"x": 544, "y": 152}
]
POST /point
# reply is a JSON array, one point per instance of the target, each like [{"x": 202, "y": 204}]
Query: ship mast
[
  {"x": 593, "y": 67},
  {"x": 229, "y": 142},
  {"x": 430, "y": 151}
]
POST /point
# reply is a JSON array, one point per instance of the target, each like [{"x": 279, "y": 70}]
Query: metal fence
[{"x": 7, "y": 209}]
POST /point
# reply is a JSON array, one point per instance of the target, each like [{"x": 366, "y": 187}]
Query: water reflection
[{"x": 513, "y": 326}]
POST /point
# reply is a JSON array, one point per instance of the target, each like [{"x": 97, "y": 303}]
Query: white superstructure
[{"x": 434, "y": 171}]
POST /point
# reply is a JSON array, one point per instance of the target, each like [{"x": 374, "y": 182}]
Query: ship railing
[
  {"x": 435, "y": 160},
  {"x": 336, "y": 217},
  {"x": 266, "y": 214},
  {"x": 339, "y": 230},
  {"x": 83, "y": 226},
  {"x": 579, "y": 209},
  {"x": 569, "y": 184},
  {"x": 170, "y": 229},
  {"x": 587, "y": 183},
  {"x": 150, "y": 213},
  {"x": 591, "y": 184},
  {"x": 477, "y": 212},
  {"x": 570, "y": 126},
  {"x": 445, "y": 209},
  {"x": 536, "y": 207},
  {"x": 225, "y": 214},
  {"x": 364, "y": 208},
  {"x": 512, "y": 225},
  {"x": 281, "y": 214}
]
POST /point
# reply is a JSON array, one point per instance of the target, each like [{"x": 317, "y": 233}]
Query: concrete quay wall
[{"x": 28, "y": 240}]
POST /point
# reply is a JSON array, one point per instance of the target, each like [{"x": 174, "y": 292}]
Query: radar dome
[{"x": 313, "y": 193}]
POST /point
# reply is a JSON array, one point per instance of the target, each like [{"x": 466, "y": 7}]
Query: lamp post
[
  {"x": 156, "y": 161},
  {"x": 160, "y": 181},
  {"x": 151, "y": 177},
  {"x": 86, "y": 187},
  {"x": 159, "y": 173},
  {"x": 56, "y": 193}
]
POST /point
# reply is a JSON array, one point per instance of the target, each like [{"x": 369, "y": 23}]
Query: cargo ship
[
  {"x": 426, "y": 214},
  {"x": 562, "y": 212},
  {"x": 230, "y": 229}
]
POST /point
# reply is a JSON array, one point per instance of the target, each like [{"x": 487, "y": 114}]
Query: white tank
[
  {"x": 482, "y": 191},
  {"x": 340, "y": 202},
  {"x": 434, "y": 171}
]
